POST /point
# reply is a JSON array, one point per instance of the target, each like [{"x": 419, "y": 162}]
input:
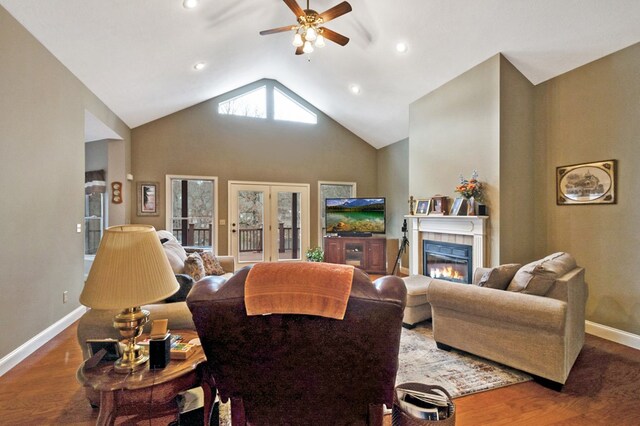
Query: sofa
[
  {"x": 531, "y": 318},
  {"x": 294, "y": 368}
]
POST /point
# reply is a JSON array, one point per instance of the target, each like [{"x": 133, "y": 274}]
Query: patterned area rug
[{"x": 458, "y": 372}]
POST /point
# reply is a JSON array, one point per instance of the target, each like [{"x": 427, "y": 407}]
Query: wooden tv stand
[{"x": 367, "y": 253}]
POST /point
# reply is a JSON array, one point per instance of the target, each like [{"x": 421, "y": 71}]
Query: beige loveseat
[{"x": 539, "y": 334}]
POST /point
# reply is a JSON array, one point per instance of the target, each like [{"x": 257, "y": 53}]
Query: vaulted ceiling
[{"x": 138, "y": 56}]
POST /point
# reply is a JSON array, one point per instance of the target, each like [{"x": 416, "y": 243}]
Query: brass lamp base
[{"x": 130, "y": 322}]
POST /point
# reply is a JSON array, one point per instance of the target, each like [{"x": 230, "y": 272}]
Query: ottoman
[{"x": 417, "y": 308}]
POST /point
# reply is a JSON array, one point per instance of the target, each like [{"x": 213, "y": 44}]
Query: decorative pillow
[
  {"x": 194, "y": 266},
  {"x": 211, "y": 264},
  {"x": 174, "y": 250},
  {"x": 500, "y": 276},
  {"x": 186, "y": 282},
  {"x": 538, "y": 277}
]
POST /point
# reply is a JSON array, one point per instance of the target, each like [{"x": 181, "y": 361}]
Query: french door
[{"x": 268, "y": 222}]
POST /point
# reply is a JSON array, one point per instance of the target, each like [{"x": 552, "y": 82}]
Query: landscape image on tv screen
[{"x": 344, "y": 215}]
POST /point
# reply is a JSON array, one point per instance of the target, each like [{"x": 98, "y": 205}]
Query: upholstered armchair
[
  {"x": 298, "y": 368},
  {"x": 537, "y": 330}
]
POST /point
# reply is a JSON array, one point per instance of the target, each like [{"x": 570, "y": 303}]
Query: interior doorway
[{"x": 268, "y": 222}]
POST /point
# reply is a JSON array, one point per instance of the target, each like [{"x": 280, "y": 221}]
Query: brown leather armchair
[{"x": 302, "y": 369}]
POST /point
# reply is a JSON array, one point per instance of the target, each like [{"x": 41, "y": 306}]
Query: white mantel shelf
[{"x": 475, "y": 226}]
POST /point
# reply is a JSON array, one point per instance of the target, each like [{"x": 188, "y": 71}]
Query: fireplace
[{"x": 447, "y": 261}]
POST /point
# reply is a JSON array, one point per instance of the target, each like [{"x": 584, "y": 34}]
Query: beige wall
[
  {"x": 198, "y": 141},
  {"x": 517, "y": 155},
  {"x": 591, "y": 114},
  {"x": 454, "y": 130},
  {"x": 393, "y": 184},
  {"x": 41, "y": 183}
]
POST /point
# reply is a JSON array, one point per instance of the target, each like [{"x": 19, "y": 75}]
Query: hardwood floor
[{"x": 603, "y": 389}]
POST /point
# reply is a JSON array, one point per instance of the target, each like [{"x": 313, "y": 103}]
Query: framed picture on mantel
[
  {"x": 423, "y": 208},
  {"x": 459, "y": 207},
  {"x": 439, "y": 205}
]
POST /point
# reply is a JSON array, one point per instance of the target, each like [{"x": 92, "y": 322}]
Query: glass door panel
[
  {"x": 288, "y": 236},
  {"x": 249, "y": 225}
]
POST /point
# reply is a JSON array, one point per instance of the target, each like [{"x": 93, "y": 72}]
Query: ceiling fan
[{"x": 309, "y": 32}]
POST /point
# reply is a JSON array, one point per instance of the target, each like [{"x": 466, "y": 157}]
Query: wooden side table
[{"x": 148, "y": 389}]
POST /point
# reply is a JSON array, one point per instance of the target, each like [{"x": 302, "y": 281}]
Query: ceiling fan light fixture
[
  {"x": 309, "y": 31},
  {"x": 310, "y": 34},
  {"x": 308, "y": 47},
  {"x": 297, "y": 40},
  {"x": 189, "y": 4}
]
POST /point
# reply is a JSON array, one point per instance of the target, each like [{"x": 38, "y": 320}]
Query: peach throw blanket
[{"x": 310, "y": 288}]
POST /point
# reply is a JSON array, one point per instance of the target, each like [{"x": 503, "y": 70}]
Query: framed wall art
[
  {"x": 587, "y": 183},
  {"x": 148, "y": 198},
  {"x": 423, "y": 208}
]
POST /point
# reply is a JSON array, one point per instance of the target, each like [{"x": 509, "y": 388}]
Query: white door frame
[{"x": 305, "y": 222}]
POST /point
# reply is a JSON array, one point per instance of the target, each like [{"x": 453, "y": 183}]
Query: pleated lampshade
[{"x": 130, "y": 269}]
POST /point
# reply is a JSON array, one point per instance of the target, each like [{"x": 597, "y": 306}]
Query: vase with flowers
[{"x": 471, "y": 190}]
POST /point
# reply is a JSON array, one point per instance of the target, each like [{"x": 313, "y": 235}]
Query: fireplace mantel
[{"x": 474, "y": 226}]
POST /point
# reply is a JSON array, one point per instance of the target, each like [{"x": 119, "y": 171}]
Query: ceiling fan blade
[
  {"x": 336, "y": 11},
  {"x": 334, "y": 36},
  {"x": 278, "y": 30},
  {"x": 295, "y": 7},
  {"x": 299, "y": 50}
]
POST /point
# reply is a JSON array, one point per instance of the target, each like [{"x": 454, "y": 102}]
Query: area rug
[{"x": 458, "y": 372}]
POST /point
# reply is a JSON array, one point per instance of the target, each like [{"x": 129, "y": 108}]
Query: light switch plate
[
  {"x": 223, "y": 222},
  {"x": 79, "y": 228}
]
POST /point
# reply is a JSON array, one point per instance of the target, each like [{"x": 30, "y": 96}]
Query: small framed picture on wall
[{"x": 148, "y": 198}]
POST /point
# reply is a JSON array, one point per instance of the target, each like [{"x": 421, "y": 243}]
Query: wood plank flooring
[{"x": 603, "y": 389}]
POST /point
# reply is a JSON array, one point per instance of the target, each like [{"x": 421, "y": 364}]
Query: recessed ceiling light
[
  {"x": 402, "y": 47},
  {"x": 199, "y": 66},
  {"x": 355, "y": 89},
  {"x": 189, "y": 4}
]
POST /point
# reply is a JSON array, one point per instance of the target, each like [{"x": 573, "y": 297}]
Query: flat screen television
[{"x": 346, "y": 216}]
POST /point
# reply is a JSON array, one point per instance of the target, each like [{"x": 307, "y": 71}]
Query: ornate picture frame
[
  {"x": 148, "y": 198},
  {"x": 586, "y": 183},
  {"x": 423, "y": 207}
]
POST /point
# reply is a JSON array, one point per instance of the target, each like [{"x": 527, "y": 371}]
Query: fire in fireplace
[{"x": 447, "y": 261}]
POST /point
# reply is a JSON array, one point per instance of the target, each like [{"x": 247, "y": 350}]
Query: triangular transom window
[
  {"x": 250, "y": 104},
  {"x": 285, "y": 108},
  {"x": 270, "y": 102}
]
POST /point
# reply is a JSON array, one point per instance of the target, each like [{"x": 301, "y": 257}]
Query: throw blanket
[{"x": 310, "y": 288}]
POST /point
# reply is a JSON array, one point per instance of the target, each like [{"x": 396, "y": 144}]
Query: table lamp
[{"x": 130, "y": 269}]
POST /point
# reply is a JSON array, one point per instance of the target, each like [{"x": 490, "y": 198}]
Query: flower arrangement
[
  {"x": 315, "y": 254},
  {"x": 470, "y": 188}
]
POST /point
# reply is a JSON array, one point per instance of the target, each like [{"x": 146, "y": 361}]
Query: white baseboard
[
  {"x": 30, "y": 346},
  {"x": 613, "y": 334}
]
